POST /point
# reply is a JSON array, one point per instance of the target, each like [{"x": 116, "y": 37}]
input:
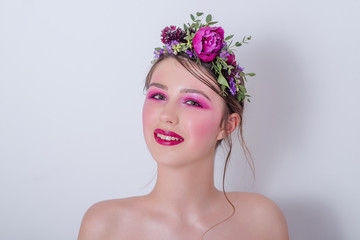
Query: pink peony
[{"x": 207, "y": 42}]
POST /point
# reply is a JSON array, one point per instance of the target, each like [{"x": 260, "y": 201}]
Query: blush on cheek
[
  {"x": 146, "y": 114},
  {"x": 205, "y": 127}
]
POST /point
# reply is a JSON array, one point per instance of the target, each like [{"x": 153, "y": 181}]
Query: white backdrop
[{"x": 71, "y": 79}]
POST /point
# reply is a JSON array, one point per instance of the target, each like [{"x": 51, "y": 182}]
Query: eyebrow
[
  {"x": 159, "y": 85},
  {"x": 187, "y": 90},
  {"x": 184, "y": 90}
]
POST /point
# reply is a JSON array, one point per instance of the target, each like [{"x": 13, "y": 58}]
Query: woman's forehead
[{"x": 171, "y": 72}]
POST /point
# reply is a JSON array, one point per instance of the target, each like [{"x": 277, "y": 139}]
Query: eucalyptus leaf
[
  {"x": 208, "y": 18},
  {"x": 251, "y": 74},
  {"x": 212, "y": 23},
  {"x": 228, "y": 37},
  {"x": 157, "y": 49},
  {"x": 238, "y": 44},
  {"x": 192, "y": 17},
  {"x": 199, "y": 14}
]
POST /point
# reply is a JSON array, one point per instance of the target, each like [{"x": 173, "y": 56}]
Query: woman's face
[{"x": 181, "y": 116}]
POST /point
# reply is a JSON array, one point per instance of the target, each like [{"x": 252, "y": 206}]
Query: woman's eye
[
  {"x": 193, "y": 103},
  {"x": 158, "y": 97}
]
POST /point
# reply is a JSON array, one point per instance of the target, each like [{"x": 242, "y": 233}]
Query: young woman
[{"x": 195, "y": 99}]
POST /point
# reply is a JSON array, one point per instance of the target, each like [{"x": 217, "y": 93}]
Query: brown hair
[{"x": 202, "y": 71}]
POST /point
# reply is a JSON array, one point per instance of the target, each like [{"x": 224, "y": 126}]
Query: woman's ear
[{"x": 230, "y": 125}]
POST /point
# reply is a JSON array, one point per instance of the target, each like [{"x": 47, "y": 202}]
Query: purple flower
[
  {"x": 224, "y": 54},
  {"x": 240, "y": 69},
  {"x": 232, "y": 87},
  {"x": 172, "y": 33},
  {"x": 207, "y": 42},
  {"x": 190, "y": 53},
  {"x": 169, "y": 48},
  {"x": 174, "y": 42},
  {"x": 158, "y": 53}
]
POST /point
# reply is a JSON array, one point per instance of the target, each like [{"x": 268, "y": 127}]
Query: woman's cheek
[
  {"x": 147, "y": 115},
  {"x": 204, "y": 126}
]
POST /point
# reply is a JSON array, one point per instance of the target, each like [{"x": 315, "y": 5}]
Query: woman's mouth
[{"x": 167, "y": 137}]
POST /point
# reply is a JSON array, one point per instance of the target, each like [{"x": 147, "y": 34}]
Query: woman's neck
[{"x": 187, "y": 188}]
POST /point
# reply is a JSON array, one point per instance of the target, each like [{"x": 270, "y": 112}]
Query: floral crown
[{"x": 201, "y": 42}]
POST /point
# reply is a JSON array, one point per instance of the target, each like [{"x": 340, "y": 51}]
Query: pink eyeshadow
[
  {"x": 197, "y": 99},
  {"x": 152, "y": 93}
]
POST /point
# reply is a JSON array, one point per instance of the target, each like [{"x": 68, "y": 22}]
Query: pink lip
[{"x": 167, "y": 133}]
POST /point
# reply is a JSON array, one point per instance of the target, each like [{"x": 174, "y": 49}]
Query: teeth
[{"x": 167, "y": 138}]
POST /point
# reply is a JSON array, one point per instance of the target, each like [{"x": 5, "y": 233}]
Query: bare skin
[
  {"x": 256, "y": 217},
  {"x": 184, "y": 204}
]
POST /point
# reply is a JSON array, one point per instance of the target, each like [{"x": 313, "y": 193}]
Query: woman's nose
[{"x": 169, "y": 114}]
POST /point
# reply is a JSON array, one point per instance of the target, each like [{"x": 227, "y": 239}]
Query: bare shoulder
[
  {"x": 102, "y": 218},
  {"x": 262, "y": 215}
]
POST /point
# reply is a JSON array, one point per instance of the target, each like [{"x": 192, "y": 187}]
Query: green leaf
[
  {"x": 212, "y": 23},
  {"x": 225, "y": 66},
  {"x": 238, "y": 44},
  {"x": 185, "y": 27},
  {"x": 242, "y": 88},
  {"x": 199, "y": 14},
  {"x": 208, "y": 18},
  {"x": 228, "y": 37},
  {"x": 157, "y": 49},
  {"x": 219, "y": 66},
  {"x": 223, "y": 81},
  {"x": 241, "y": 97},
  {"x": 251, "y": 74},
  {"x": 192, "y": 17}
]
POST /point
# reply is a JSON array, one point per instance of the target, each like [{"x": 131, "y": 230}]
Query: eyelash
[
  {"x": 158, "y": 96},
  {"x": 191, "y": 102}
]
